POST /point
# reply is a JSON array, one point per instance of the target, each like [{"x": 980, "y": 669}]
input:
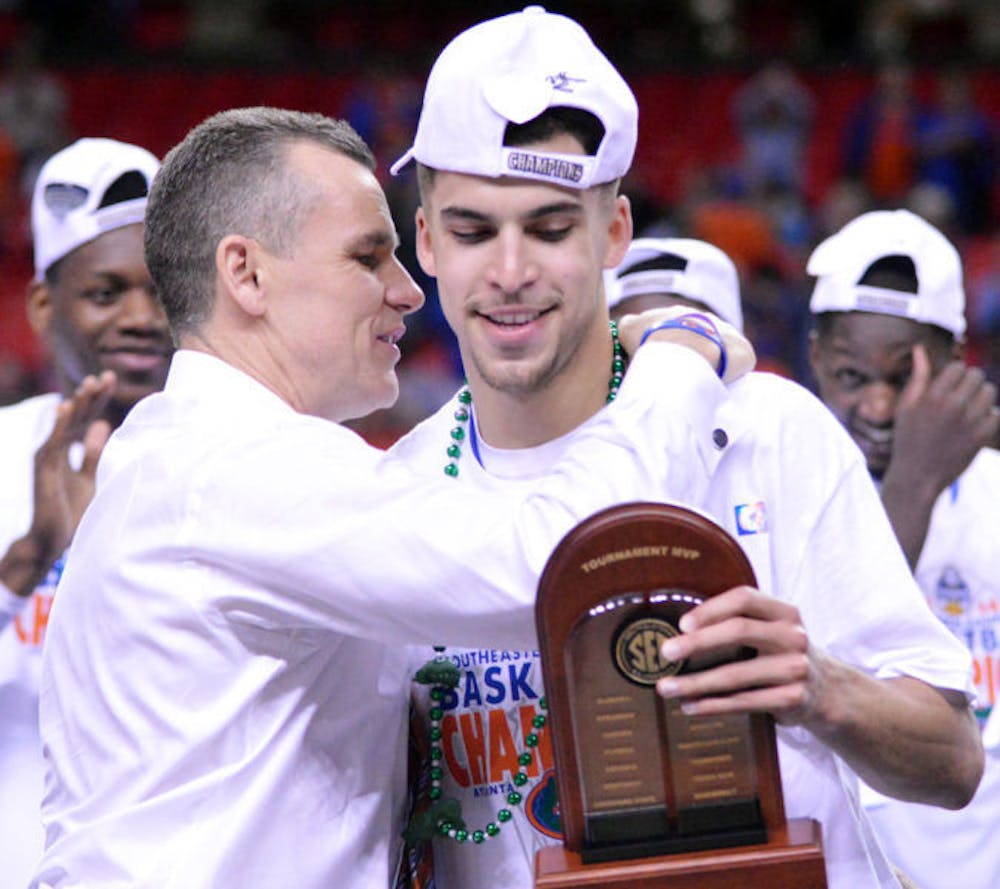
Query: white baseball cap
[
  {"x": 841, "y": 261},
  {"x": 85, "y": 190},
  {"x": 684, "y": 266},
  {"x": 509, "y": 70}
]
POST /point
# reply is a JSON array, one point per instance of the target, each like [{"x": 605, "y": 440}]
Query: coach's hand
[{"x": 740, "y": 358}]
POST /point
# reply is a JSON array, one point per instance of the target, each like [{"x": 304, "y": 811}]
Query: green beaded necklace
[
  {"x": 463, "y": 412},
  {"x": 444, "y": 816}
]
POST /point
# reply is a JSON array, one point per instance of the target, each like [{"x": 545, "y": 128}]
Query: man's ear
[
  {"x": 240, "y": 273},
  {"x": 619, "y": 232},
  {"x": 425, "y": 252},
  {"x": 39, "y": 307}
]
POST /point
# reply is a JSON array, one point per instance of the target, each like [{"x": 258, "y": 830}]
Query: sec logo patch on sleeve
[{"x": 751, "y": 518}]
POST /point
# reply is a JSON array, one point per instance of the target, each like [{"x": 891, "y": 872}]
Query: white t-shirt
[
  {"x": 23, "y": 429},
  {"x": 225, "y": 683},
  {"x": 959, "y": 573},
  {"x": 793, "y": 490}
]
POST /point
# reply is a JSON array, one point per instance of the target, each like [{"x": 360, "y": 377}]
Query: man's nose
[
  {"x": 878, "y": 404},
  {"x": 511, "y": 265},
  {"x": 141, "y": 311},
  {"x": 402, "y": 292}
]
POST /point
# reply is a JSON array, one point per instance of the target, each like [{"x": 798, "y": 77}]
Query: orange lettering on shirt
[
  {"x": 503, "y": 752},
  {"x": 19, "y": 628},
  {"x": 43, "y": 605},
  {"x": 990, "y": 679},
  {"x": 32, "y": 632},
  {"x": 449, "y": 729},
  {"x": 474, "y": 738},
  {"x": 984, "y": 678}
]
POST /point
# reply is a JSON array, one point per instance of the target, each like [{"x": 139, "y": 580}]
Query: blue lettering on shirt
[
  {"x": 493, "y": 685},
  {"x": 518, "y": 680},
  {"x": 472, "y": 696},
  {"x": 450, "y": 699},
  {"x": 989, "y": 638},
  {"x": 496, "y": 694}
]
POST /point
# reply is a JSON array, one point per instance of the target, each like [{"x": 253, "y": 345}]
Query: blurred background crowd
[{"x": 764, "y": 126}]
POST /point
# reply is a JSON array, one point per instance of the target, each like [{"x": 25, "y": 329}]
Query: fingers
[
  {"x": 632, "y": 327},
  {"x": 741, "y": 355},
  {"x": 962, "y": 396},
  {"x": 920, "y": 377},
  {"x": 777, "y": 684},
  {"x": 742, "y": 618},
  {"x": 741, "y": 601},
  {"x": 74, "y": 417},
  {"x": 87, "y": 403},
  {"x": 94, "y": 440}
]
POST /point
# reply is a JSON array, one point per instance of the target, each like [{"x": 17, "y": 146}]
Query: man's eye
[
  {"x": 368, "y": 260},
  {"x": 848, "y": 378},
  {"x": 553, "y": 233},
  {"x": 470, "y": 236},
  {"x": 900, "y": 380},
  {"x": 102, "y": 296}
]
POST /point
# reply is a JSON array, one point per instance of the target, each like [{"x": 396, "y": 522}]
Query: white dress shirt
[{"x": 224, "y": 691}]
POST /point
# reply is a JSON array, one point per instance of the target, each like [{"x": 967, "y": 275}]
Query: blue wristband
[{"x": 712, "y": 334}]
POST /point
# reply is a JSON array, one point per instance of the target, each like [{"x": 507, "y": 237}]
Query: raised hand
[
  {"x": 61, "y": 491},
  {"x": 942, "y": 421}
]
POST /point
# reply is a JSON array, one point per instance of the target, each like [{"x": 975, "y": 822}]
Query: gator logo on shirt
[
  {"x": 952, "y": 593},
  {"x": 542, "y": 807},
  {"x": 751, "y": 518}
]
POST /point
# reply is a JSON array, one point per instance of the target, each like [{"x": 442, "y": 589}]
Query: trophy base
[{"x": 792, "y": 858}]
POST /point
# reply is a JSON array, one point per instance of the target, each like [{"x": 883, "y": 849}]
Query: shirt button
[{"x": 720, "y": 438}]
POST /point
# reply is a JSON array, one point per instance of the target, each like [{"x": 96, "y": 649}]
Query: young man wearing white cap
[
  {"x": 91, "y": 301},
  {"x": 520, "y": 216},
  {"x": 659, "y": 272},
  {"x": 887, "y": 355}
]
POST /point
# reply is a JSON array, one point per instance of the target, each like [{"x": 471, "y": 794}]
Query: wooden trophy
[{"x": 649, "y": 797}]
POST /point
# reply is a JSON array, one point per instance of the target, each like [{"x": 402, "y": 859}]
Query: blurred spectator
[
  {"x": 881, "y": 149},
  {"x": 774, "y": 113},
  {"x": 776, "y": 319},
  {"x": 934, "y": 204},
  {"x": 983, "y": 287},
  {"x": 736, "y": 227},
  {"x": 844, "y": 200},
  {"x": 32, "y": 109},
  {"x": 957, "y": 152}
]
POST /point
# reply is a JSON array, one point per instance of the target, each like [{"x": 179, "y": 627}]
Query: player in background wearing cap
[
  {"x": 520, "y": 216},
  {"x": 91, "y": 301},
  {"x": 659, "y": 272},
  {"x": 886, "y": 351}
]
